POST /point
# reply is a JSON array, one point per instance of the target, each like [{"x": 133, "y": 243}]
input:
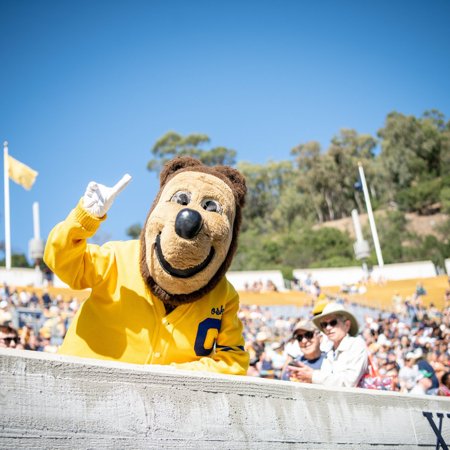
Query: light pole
[
  {"x": 360, "y": 246},
  {"x": 373, "y": 228}
]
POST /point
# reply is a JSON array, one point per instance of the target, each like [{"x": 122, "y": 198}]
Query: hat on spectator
[
  {"x": 45, "y": 333},
  {"x": 276, "y": 345},
  {"x": 336, "y": 309},
  {"x": 418, "y": 353},
  {"x": 305, "y": 325},
  {"x": 262, "y": 336},
  {"x": 319, "y": 305}
]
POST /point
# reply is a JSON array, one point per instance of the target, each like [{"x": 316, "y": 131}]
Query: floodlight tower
[
  {"x": 36, "y": 245},
  {"x": 360, "y": 246},
  {"x": 373, "y": 228}
]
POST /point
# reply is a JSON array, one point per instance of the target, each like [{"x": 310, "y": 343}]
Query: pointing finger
[{"x": 119, "y": 186}]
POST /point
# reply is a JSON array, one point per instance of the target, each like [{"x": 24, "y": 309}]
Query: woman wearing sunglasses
[{"x": 346, "y": 362}]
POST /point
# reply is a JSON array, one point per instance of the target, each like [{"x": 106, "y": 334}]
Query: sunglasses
[
  {"x": 332, "y": 324},
  {"x": 308, "y": 335}
]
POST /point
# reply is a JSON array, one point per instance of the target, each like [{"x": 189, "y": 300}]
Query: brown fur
[{"x": 236, "y": 182}]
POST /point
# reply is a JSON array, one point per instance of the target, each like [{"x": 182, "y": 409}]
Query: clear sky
[{"x": 88, "y": 86}]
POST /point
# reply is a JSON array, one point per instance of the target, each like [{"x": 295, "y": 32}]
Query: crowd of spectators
[
  {"x": 410, "y": 346},
  {"x": 259, "y": 286},
  {"x": 29, "y": 321}
]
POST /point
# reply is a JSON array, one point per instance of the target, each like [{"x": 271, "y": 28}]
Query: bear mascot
[{"x": 162, "y": 299}]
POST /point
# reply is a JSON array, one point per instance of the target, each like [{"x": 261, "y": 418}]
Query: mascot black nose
[{"x": 188, "y": 223}]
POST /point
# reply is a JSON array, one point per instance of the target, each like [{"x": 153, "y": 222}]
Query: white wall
[
  {"x": 405, "y": 271},
  {"x": 50, "y": 401},
  {"x": 447, "y": 266},
  {"x": 339, "y": 275},
  {"x": 21, "y": 277},
  {"x": 331, "y": 276}
]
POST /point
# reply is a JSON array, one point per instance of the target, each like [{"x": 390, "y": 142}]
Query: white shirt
[
  {"x": 344, "y": 366},
  {"x": 408, "y": 377}
]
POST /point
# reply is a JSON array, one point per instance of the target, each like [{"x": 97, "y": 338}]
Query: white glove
[{"x": 99, "y": 198}]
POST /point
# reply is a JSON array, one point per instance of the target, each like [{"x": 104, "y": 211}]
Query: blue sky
[{"x": 88, "y": 86}]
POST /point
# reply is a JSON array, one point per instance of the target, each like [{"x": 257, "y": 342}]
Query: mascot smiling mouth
[{"x": 180, "y": 273}]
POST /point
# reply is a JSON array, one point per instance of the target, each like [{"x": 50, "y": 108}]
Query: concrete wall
[
  {"x": 50, "y": 401},
  {"x": 405, "y": 271},
  {"x": 336, "y": 276},
  {"x": 21, "y": 276}
]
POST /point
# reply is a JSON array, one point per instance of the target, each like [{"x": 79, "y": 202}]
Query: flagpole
[
  {"x": 7, "y": 215},
  {"x": 373, "y": 228}
]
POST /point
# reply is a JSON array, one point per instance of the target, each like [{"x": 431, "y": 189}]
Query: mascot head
[{"x": 190, "y": 234}]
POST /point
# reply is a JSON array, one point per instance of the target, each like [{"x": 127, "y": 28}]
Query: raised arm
[{"x": 67, "y": 253}]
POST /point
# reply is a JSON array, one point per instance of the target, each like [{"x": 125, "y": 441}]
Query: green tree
[
  {"x": 415, "y": 155},
  {"x": 173, "y": 144},
  {"x": 266, "y": 184},
  {"x": 328, "y": 177},
  {"x": 421, "y": 196},
  {"x": 346, "y": 150},
  {"x": 134, "y": 231},
  {"x": 307, "y": 158},
  {"x": 444, "y": 198},
  {"x": 392, "y": 233},
  {"x": 17, "y": 260}
]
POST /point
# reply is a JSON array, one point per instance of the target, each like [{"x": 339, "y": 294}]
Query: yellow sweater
[{"x": 123, "y": 321}]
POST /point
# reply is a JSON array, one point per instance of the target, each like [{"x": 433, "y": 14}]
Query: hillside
[{"x": 421, "y": 225}]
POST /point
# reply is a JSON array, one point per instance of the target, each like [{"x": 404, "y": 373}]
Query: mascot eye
[
  {"x": 182, "y": 198},
  {"x": 211, "y": 205}
]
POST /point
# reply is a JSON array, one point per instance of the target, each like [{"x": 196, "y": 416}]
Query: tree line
[{"x": 407, "y": 168}]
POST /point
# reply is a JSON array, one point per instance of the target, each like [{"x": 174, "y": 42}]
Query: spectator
[
  {"x": 409, "y": 374},
  {"x": 8, "y": 336},
  {"x": 5, "y": 313},
  {"x": 34, "y": 300},
  {"x": 435, "y": 359},
  {"x": 308, "y": 337},
  {"x": 428, "y": 373},
  {"x": 420, "y": 290},
  {"x": 265, "y": 366},
  {"x": 278, "y": 358},
  {"x": 346, "y": 362},
  {"x": 260, "y": 343},
  {"x": 46, "y": 299},
  {"x": 444, "y": 388}
]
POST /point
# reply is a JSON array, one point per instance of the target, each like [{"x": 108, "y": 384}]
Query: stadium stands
[{"x": 257, "y": 280}]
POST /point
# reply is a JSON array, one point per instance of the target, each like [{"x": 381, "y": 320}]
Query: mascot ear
[
  {"x": 237, "y": 181},
  {"x": 174, "y": 165}
]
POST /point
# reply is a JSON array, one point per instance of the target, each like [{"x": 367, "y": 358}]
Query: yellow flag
[{"x": 20, "y": 173}]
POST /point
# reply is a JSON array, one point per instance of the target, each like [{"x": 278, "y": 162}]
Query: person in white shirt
[
  {"x": 346, "y": 362},
  {"x": 410, "y": 378}
]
